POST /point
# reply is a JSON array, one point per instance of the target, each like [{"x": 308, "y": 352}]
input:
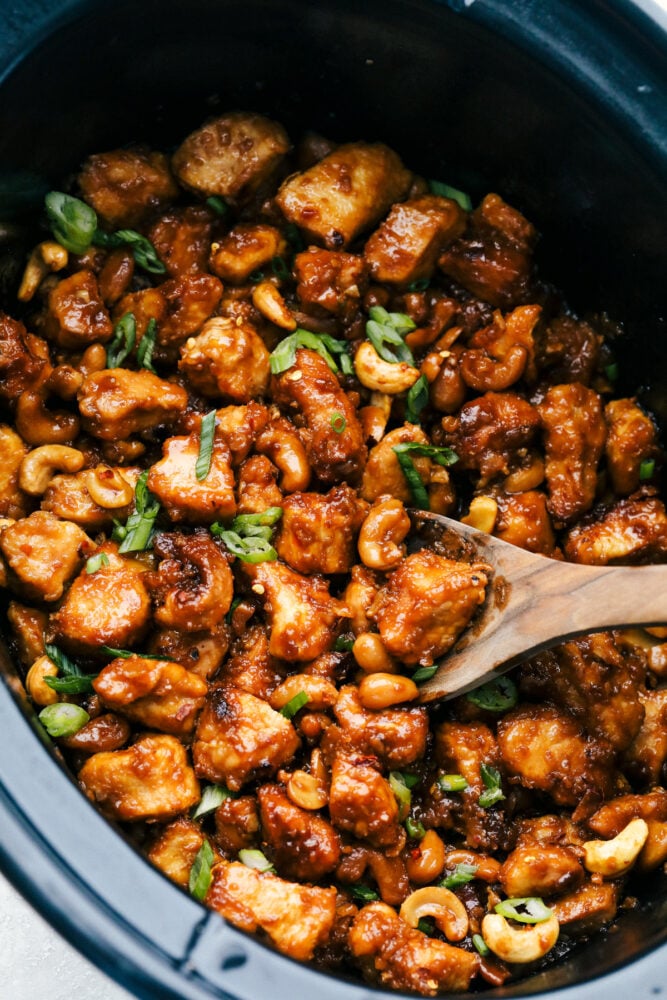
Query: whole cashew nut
[
  {"x": 47, "y": 256},
  {"x": 484, "y": 373},
  {"x": 38, "y": 425},
  {"x": 281, "y": 443},
  {"x": 614, "y": 857},
  {"x": 108, "y": 488},
  {"x": 382, "y": 533},
  {"x": 446, "y": 908},
  {"x": 383, "y": 376},
  {"x": 41, "y": 464},
  {"x": 272, "y": 305},
  {"x": 514, "y": 945}
]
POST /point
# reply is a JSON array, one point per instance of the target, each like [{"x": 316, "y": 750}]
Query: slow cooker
[{"x": 559, "y": 105}]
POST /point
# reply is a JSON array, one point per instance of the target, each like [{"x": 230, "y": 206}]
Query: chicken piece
[
  {"x": 185, "y": 498},
  {"x": 303, "y": 617},
  {"x": 494, "y": 260},
  {"x": 297, "y": 918},
  {"x": 192, "y": 588},
  {"x": 125, "y": 185},
  {"x": 240, "y": 738},
  {"x": 227, "y": 359},
  {"x": 382, "y": 473},
  {"x": 631, "y": 438},
  {"x": 548, "y": 830},
  {"x": 335, "y": 455},
  {"x": 116, "y": 403},
  {"x": 28, "y": 626},
  {"x": 317, "y": 532},
  {"x": 76, "y": 315},
  {"x": 21, "y": 363},
  {"x": 182, "y": 238},
  {"x": 304, "y": 846},
  {"x": 175, "y": 850},
  {"x": 201, "y": 653},
  {"x": 43, "y": 554},
  {"x": 633, "y": 530},
  {"x": 402, "y": 958},
  {"x": 157, "y": 694},
  {"x": 145, "y": 305},
  {"x": 231, "y": 156},
  {"x": 258, "y": 486},
  {"x": 574, "y": 436},
  {"x": 13, "y": 501},
  {"x": 151, "y": 780},
  {"x": 406, "y": 246},
  {"x": 587, "y": 909},
  {"x": 67, "y": 496},
  {"x": 500, "y": 354},
  {"x": 462, "y": 748},
  {"x": 548, "y": 750},
  {"x": 396, "y": 736},
  {"x": 345, "y": 193},
  {"x": 246, "y": 248},
  {"x": 645, "y": 758},
  {"x": 523, "y": 520},
  {"x": 237, "y": 824},
  {"x": 490, "y": 432},
  {"x": 425, "y": 605},
  {"x": 250, "y": 666},
  {"x": 239, "y": 427},
  {"x": 541, "y": 870},
  {"x": 594, "y": 680},
  {"x": 110, "y": 607},
  {"x": 569, "y": 351},
  {"x": 330, "y": 281},
  {"x": 189, "y": 301},
  {"x": 389, "y": 873},
  {"x": 361, "y": 801},
  {"x": 101, "y": 734}
]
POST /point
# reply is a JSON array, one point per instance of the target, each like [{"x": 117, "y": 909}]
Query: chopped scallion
[
  {"x": 211, "y": 798},
  {"x": 416, "y": 400},
  {"x": 141, "y": 523},
  {"x": 74, "y": 684},
  {"x": 217, "y": 205},
  {"x": 447, "y": 191},
  {"x": 72, "y": 221},
  {"x": 493, "y": 789},
  {"x": 460, "y": 875},
  {"x": 123, "y": 340},
  {"x": 646, "y": 469},
  {"x": 525, "y": 910},
  {"x": 266, "y": 518},
  {"x": 63, "y": 719},
  {"x": 481, "y": 945},
  {"x": 413, "y": 479},
  {"x": 611, "y": 371},
  {"x": 419, "y": 286},
  {"x": 206, "y": 438},
  {"x": 201, "y": 875},
  {"x": 143, "y": 250},
  {"x": 414, "y": 829},
  {"x": 96, "y": 562},
  {"x": 424, "y": 674},
  {"x": 344, "y": 644},
  {"x": 386, "y": 332},
  {"x": 294, "y": 705},
  {"x": 495, "y": 696},
  {"x": 338, "y": 422},
  {"x": 255, "y": 859},
  {"x": 402, "y": 793},
  {"x": 66, "y": 666},
  {"x": 147, "y": 346},
  {"x": 452, "y": 782},
  {"x": 248, "y": 550},
  {"x": 280, "y": 268},
  {"x": 284, "y": 355},
  {"x": 363, "y": 893}
]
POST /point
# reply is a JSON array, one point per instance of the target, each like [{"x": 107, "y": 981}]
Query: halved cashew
[
  {"x": 41, "y": 464},
  {"x": 446, "y": 909},
  {"x": 47, "y": 256},
  {"x": 271, "y": 304},
  {"x": 519, "y": 945},
  {"x": 108, "y": 488},
  {"x": 380, "y": 375},
  {"x": 614, "y": 857},
  {"x": 382, "y": 533},
  {"x": 482, "y": 514}
]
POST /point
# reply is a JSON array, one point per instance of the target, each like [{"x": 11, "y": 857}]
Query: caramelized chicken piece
[
  {"x": 102, "y": 734},
  {"x": 237, "y": 824},
  {"x": 68, "y": 496},
  {"x": 43, "y": 554},
  {"x": 402, "y": 958},
  {"x": 13, "y": 501},
  {"x": 330, "y": 280},
  {"x": 174, "y": 483},
  {"x": 569, "y": 351},
  {"x": 201, "y": 653},
  {"x": 425, "y": 605},
  {"x": 240, "y": 738},
  {"x": 258, "y": 486},
  {"x": 227, "y": 359},
  {"x": 631, "y": 438},
  {"x": 645, "y": 758},
  {"x": 406, "y": 246},
  {"x": 251, "y": 666},
  {"x": 192, "y": 587},
  {"x": 189, "y": 301},
  {"x": 239, "y": 426},
  {"x": 361, "y": 802},
  {"x": 125, "y": 185},
  {"x": 157, "y": 694},
  {"x": 541, "y": 870},
  {"x": 523, "y": 520},
  {"x": 586, "y": 909},
  {"x": 548, "y": 750},
  {"x": 345, "y": 193},
  {"x": 297, "y": 918},
  {"x": 396, "y": 736},
  {"x": 116, "y": 403},
  {"x": 317, "y": 532},
  {"x": 182, "y": 238},
  {"x": 176, "y": 848},
  {"x": 230, "y": 156},
  {"x": 151, "y": 780},
  {"x": 20, "y": 361},
  {"x": 574, "y": 436},
  {"x": 28, "y": 626},
  {"x": 76, "y": 315},
  {"x": 335, "y": 455},
  {"x": 303, "y": 845},
  {"x": 110, "y": 607},
  {"x": 633, "y": 530},
  {"x": 303, "y": 617},
  {"x": 462, "y": 748},
  {"x": 246, "y": 248}
]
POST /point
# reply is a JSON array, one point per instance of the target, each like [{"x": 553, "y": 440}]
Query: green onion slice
[
  {"x": 200, "y": 874},
  {"x": 122, "y": 343},
  {"x": 63, "y": 719},
  {"x": 493, "y": 790},
  {"x": 217, "y": 205},
  {"x": 147, "y": 346},
  {"x": 74, "y": 684},
  {"x": 386, "y": 332},
  {"x": 96, "y": 562},
  {"x": 211, "y": 798},
  {"x": 206, "y": 437},
  {"x": 338, "y": 422},
  {"x": 441, "y": 456},
  {"x": 495, "y": 696},
  {"x": 72, "y": 222},
  {"x": 426, "y": 926},
  {"x": 424, "y": 674},
  {"x": 344, "y": 643},
  {"x": 460, "y": 875},
  {"x": 364, "y": 893},
  {"x": 125, "y": 654},
  {"x": 419, "y": 286},
  {"x": 248, "y": 550},
  {"x": 414, "y": 829},
  {"x": 417, "y": 400},
  {"x": 646, "y": 469},
  {"x": 294, "y": 705},
  {"x": 140, "y": 525},
  {"x": 413, "y": 479},
  {"x": 267, "y": 518},
  {"x": 447, "y": 191},
  {"x": 143, "y": 250},
  {"x": 66, "y": 666},
  {"x": 255, "y": 859},
  {"x": 481, "y": 945},
  {"x": 526, "y": 910},
  {"x": 402, "y": 793},
  {"x": 452, "y": 782},
  {"x": 284, "y": 356},
  {"x": 293, "y": 237},
  {"x": 611, "y": 371}
]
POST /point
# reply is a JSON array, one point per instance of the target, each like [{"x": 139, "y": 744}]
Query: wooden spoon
[{"x": 533, "y": 602}]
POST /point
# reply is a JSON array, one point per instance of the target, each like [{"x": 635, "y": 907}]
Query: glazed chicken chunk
[
  {"x": 117, "y": 403},
  {"x": 185, "y": 497},
  {"x": 43, "y": 554},
  {"x": 157, "y": 694},
  {"x": 227, "y": 360}
]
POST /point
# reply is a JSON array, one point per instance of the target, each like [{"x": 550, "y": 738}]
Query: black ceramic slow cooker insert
[{"x": 558, "y": 105}]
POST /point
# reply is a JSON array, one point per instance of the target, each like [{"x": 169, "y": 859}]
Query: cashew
[
  {"x": 108, "y": 488},
  {"x": 446, "y": 909},
  {"x": 38, "y": 425},
  {"x": 527, "y": 478},
  {"x": 514, "y": 945},
  {"x": 482, "y": 514},
  {"x": 485, "y": 374},
  {"x": 271, "y": 304},
  {"x": 382, "y": 376},
  {"x": 426, "y": 864},
  {"x": 321, "y": 692},
  {"x": 35, "y": 685},
  {"x": 41, "y": 464},
  {"x": 93, "y": 359},
  {"x": 371, "y": 654},
  {"x": 614, "y": 857},
  {"x": 380, "y": 690},
  {"x": 281, "y": 443},
  {"x": 382, "y": 533},
  {"x": 307, "y": 791},
  {"x": 47, "y": 256}
]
